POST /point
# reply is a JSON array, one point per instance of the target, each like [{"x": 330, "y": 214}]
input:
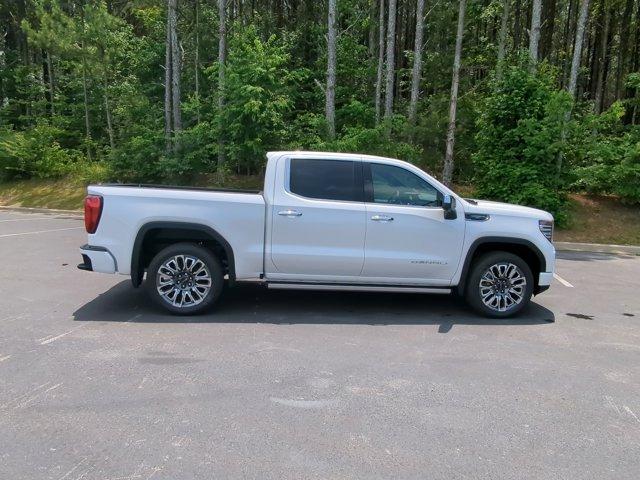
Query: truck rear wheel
[
  {"x": 185, "y": 279},
  {"x": 500, "y": 285}
]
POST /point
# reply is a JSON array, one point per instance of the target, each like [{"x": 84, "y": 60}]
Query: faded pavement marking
[
  {"x": 562, "y": 280},
  {"x": 40, "y": 231},
  {"x": 307, "y": 404},
  {"x": 25, "y": 399},
  {"x": 50, "y": 339}
]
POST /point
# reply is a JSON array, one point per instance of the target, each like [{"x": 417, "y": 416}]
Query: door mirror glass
[{"x": 449, "y": 207}]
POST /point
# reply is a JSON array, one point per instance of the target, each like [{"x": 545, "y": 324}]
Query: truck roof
[{"x": 308, "y": 153}]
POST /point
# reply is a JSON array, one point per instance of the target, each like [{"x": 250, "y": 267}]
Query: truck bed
[{"x": 236, "y": 215}]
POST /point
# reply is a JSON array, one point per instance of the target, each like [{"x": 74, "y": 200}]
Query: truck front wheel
[
  {"x": 500, "y": 285},
  {"x": 184, "y": 278}
]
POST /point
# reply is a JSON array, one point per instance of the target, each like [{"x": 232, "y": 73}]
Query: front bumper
[
  {"x": 97, "y": 259},
  {"x": 545, "y": 278}
]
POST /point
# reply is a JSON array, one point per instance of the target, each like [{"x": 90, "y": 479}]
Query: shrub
[
  {"x": 138, "y": 159},
  {"x": 519, "y": 139},
  {"x": 35, "y": 153},
  {"x": 605, "y": 155},
  {"x": 386, "y": 140}
]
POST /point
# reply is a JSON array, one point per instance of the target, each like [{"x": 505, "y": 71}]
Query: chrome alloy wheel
[
  {"x": 502, "y": 286},
  {"x": 183, "y": 281}
]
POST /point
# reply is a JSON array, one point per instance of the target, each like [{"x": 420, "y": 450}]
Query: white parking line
[
  {"x": 6, "y": 357},
  {"x": 41, "y": 231},
  {"x": 46, "y": 341},
  {"x": 28, "y": 218},
  {"x": 562, "y": 280}
]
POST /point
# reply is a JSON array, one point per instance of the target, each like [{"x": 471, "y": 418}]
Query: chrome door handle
[
  {"x": 382, "y": 218},
  {"x": 289, "y": 213}
]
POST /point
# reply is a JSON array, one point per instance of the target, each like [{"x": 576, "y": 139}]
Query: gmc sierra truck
[{"x": 324, "y": 221}]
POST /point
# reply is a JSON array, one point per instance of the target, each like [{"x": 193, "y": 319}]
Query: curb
[
  {"x": 597, "y": 248},
  {"x": 42, "y": 210}
]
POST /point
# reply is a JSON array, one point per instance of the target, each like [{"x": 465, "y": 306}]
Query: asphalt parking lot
[{"x": 98, "y": 383}]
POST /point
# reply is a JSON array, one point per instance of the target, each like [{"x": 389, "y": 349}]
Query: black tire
[
  {"x": 480, "y": 267},
  {"x": 195, "y": 285}
]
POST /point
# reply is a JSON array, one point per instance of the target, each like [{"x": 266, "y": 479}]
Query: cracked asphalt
[{"x": 98, "y": 383}]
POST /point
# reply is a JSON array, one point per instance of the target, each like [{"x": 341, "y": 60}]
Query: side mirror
[{"x": 449, "y": 207}]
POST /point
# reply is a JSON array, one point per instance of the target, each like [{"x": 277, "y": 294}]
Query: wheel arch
[
  {"x": 521, "y": 247},
  {"x": 154, "y": 236}
]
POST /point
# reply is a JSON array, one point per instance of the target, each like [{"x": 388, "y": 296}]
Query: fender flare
[
  {"x": 504, "y": 240},
  {"x": 137, "y": 272}
]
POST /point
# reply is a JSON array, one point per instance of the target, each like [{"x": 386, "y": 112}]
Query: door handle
[
  {"x": 382, "y": 218},
  {"x": 289, "y": 213}
]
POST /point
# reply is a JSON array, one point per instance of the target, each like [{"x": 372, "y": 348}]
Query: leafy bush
[
  {"x": 519, "y": 139},
  {"x": 257, "y": 97},
  {"x": 34, "y": 153},
  {"x": 605, "y": 155},
  {"x": 386, "y": 140},
  {"x": 138, "y": 159}
]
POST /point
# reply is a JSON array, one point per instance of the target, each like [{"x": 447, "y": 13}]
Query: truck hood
[{"x": 507, "y": 209}]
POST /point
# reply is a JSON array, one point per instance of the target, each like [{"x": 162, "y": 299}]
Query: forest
[{"x": 518, "y": 100}]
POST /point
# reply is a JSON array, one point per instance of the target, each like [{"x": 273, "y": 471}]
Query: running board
[{"x": 355, "y": 288}]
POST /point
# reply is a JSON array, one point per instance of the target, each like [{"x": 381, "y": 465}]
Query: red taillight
[{"x": 92, "y": 212}]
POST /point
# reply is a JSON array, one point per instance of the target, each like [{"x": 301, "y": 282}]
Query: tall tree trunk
[
  {"x": 175, "y": 68},
  {"x": 567, "y": 40},
  {"x": 623, "y": 49},
  {"x": 51, "y": 84},
  {"x": 371, "y": 44},
  {"x": 599, "y": 93},
  {"x": 222, "y": 60},
  {"x": 378, "y": 99},
  {"x": 107, "y": 109},
  {"x": 502, "y": 41},
  {"x": 575, "y": 68},
  {"x": 167, "y": 87},
  {"x": 547, "y": 28},
  {"x": 416, "y": 73},
  {"x": 534, "y": 33},
  {"x": 577, "y": 48},
  {"x": 391, "y": 71},
  {"x": 447, "y": 174},
  {"x": 517, "y": 25},
  {"x": 85, "y": 94},
  {"x": 3, "y": 96},
  {"x": 196, "y": 69},
  {"x": 330, "y": 91}
]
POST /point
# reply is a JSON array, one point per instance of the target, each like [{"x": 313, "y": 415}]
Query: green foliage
[
  {"x": 519, "y": 139},
  {"x": 34, "y": 153},
  {"x": 606, "y": 156},
  {"x": 138, "y": 159},
  {"x": 376, "y": 141},
  {"x": 104, "y": 119},
  {"x": 257, "y": 97}
]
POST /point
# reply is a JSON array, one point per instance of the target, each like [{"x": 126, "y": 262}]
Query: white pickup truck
[{"x": 324, "y": 221}]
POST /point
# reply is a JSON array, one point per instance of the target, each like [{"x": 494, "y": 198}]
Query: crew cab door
[
  {"x": 318, "y": 220},
  {"x": 408, "y": 239}
]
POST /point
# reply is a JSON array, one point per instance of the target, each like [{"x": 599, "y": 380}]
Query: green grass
[
  {"x": 593, "y": 219},
  {"x": 596, "y": 219},
  {"x": 64, "y": 194}
]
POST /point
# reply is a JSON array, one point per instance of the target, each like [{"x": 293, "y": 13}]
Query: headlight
[{"x": 546, "y": 227}]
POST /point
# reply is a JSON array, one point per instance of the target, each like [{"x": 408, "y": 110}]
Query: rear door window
[{"x": 326, "y": 179}]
